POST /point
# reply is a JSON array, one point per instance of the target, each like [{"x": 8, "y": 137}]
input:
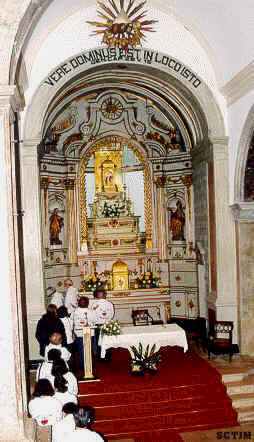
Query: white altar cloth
[{"x": 161, "y": 335}]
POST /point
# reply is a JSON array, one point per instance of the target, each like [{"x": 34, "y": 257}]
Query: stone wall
[{"x": 246, "y": 285}]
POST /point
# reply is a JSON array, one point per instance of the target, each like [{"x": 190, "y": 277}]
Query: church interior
[{"x": 127, "y": 135}]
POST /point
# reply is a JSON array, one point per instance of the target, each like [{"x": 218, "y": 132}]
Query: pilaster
[
  {"x": 243, "y": 214},
  {"x": 32, "y": 240},
  {"x": 71, "y": 220},
  {"x": 13, "y": 385},
  {"x": 226, "y": 265},
  {"x": 161, "y": 218}
]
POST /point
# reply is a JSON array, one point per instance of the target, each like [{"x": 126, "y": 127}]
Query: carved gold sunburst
[{"x": 121, "y": 26}]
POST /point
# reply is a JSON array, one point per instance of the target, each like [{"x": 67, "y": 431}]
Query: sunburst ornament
[{"x": 122, "y": 27}]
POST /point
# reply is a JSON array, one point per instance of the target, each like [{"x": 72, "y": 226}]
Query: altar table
[{"x": 161, "y": 335}]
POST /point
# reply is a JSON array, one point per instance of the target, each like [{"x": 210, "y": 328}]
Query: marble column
[
  {"x": 14, "y": 424},
  {"x": 71, "y": 220},
  {"x": 226, "y": 276},
  {"x": 162, "y": 221},
  {"x": 32, "y": 241}
]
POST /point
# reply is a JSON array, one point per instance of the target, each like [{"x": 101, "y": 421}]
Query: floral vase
[{"x": 137, "y": 369}]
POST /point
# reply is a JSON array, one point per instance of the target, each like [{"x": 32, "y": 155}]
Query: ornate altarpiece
[{"x": 105, "y": 237}]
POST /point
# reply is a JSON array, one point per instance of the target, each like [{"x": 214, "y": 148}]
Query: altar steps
[
  {"x": 186, "y": 395},
  {"x": 213, "y": 410}
]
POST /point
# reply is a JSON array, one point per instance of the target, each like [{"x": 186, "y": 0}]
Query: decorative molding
[
  {"x": 243, "y": 211},
  {"x": 240, "y": 85},
  {"x": 243, "y": 150}
]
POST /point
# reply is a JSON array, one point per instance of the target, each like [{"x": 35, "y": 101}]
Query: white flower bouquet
[{"x": 111, "y": 328}]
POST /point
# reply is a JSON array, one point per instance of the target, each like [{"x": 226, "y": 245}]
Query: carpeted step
[
  {"x": 155, "y": 394},
  {"x": 181, "y": 420},
  {"x": 185, "y": 395},
  {"x": 163, "y": 407},
  {"x": 167, "y": 435}
]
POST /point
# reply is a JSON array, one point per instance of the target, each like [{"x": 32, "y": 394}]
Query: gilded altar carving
[
  {"x": 107, "y": 143},
  {"x": 120, "y": 276}
]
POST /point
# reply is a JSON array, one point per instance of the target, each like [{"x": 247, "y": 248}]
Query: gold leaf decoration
[{"x": 122, "y": 26}]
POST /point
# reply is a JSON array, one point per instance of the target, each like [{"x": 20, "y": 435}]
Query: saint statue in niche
[
  {"x": 177, "y": 222},
  {"x": 55, "y": 227},
  {"x": 108, "y": 178}
]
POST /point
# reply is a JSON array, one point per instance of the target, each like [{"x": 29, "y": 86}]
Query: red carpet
[{"x": 185, "y": 395}]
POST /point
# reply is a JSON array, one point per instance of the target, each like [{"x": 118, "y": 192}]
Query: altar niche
[
  {"x": 117, "y": 204},
  {"x": 114, "y": 204}
]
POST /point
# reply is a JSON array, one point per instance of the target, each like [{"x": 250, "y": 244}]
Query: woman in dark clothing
[{"x": 48, "y": 324}]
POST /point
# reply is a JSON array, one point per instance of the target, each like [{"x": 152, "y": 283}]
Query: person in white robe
[
  {"x": 56, "y": 343},
  {"x": 83, "y": 420},
  {"x": 71, "y": 297},
  {"x": 44, "y": 407},
  {"x": 103, "y": 311},
  {"x": 57, "y": 299},
  {"x": 102, "y": 308},
  {"x": 62, "y": 429},
  {"x": 61, "y": 391},
  {"x": 81, "y": 317},
  {"x": 60, "y": 369}
]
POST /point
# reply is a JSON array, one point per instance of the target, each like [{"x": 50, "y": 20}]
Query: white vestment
[
  {"x": 62, "y": 428},
  {"x": 46, "y": 410},
  {"x": 68, "y": 327},
  {"x": 65, "y": 354},
  {"x": 71, "y": 301},
  {"x": 102, "y": 309},
  {"x": 83, "y": 435},
  {"x": 66, "y": 397},
  {"x": 57, "y": 299},
  {"x": 81, "y": 318}
]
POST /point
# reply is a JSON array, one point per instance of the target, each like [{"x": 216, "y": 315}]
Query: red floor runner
[{"x": 186, "y": 394}]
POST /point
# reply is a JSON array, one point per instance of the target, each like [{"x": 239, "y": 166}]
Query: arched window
[{"x": 249, "y": 174}]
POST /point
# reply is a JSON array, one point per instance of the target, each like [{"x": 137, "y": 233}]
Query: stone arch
[
  {"x": 209, "y": 114},
  {"x": 243, "y": 148}
]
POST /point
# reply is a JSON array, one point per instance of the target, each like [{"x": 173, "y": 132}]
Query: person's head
[
  {"x": 84, "y": 417},
  {"x": 68, "y": 283},
  {"x": 59, "y": 368},
  {"x": 62, "y": 312},
  {"x": 70, "y": 408},
  {"x": 83, "y": 302},
  {"x": 56, "y": 338},
  {"x": 60, "y": 384},
  {"x": 100, "y": 294},
  {"x": 43, "y": 388},
  {"x": 52, "y": 310},
  {"x": 54, "y": 355}
]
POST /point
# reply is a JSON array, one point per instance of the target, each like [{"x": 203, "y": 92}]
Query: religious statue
[
  {"x": 177, "y": 222},
  {"x": 55, "y": 227},
  {"x": 108, "y": 178}
]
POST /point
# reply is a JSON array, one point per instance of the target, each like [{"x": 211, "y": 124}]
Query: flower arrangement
[
  {"x": 111, "y": 328},
  {"x": 112, "y": 211},
  {"x": 93, "y": 282},
  {"x": 147, "y": 279},
  {"x": 144, "y": 359}
]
